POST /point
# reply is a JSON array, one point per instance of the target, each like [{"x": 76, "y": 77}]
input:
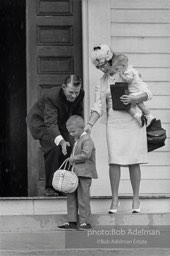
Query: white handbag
[{"x": 64, "y": 180}]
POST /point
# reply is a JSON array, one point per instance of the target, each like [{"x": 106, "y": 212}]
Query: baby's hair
[
  {"x": 120, "y": 59},
  {"x": 73, "y": 79},
  {"x": 76, "y": 121},
  {"x": 112, "y": 59}
]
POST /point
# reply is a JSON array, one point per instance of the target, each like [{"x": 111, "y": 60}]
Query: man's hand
[{"x": 64, "y": 144}]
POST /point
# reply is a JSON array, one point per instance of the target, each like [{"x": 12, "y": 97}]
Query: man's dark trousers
[{"x": 53, "y": 156}]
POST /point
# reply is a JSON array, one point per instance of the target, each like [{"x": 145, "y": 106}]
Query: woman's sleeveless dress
[{"x": 126, "y": 140}]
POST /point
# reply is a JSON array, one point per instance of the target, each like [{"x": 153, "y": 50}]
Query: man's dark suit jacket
[{"x": 51, "y": 112}]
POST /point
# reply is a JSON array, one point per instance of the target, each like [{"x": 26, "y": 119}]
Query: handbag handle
[{"x": 64, "y": 164}]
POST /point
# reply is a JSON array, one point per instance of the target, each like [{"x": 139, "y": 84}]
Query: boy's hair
[
  {"x": 120, "y": 59},
  {"x": 76, "y": 121},
  {"x": 73, "y": 79}
]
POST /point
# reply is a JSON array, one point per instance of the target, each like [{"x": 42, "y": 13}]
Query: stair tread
[{"x": 48, "y": 243}]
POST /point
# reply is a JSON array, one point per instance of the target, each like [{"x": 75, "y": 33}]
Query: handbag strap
[
  {"x": 64, "y": 164},
  {"x": 72, "y": 168}
]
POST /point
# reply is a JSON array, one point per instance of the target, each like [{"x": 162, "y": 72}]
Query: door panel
[
  {"x": 54, "y": 7},
  {"x": 54, "y": 50}
]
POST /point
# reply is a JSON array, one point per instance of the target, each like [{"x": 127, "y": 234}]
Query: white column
[{"x": 96, "y": 29}]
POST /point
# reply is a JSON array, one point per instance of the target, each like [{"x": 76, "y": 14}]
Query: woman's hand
[
  {"x": 128, "y": 99},
  {"x": 92, "y": 120},
  {"x": 88, "y": 128}
]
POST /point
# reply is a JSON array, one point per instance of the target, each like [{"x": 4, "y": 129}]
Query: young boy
[
  {"x": 83, "y": 161},
  {"x": 135, "y": 86}
]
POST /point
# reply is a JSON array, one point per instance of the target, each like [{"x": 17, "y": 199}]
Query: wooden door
[{"x": 54, "y": 50}]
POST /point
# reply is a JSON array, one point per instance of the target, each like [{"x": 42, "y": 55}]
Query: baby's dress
[
  {"x": 126, "y": 140},
  {"x": 137, "y": 86}
]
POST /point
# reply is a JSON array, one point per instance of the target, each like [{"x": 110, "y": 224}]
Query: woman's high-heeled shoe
[
  {"x": 112, "y": 211},
  {"x": 136, "y": 210}
]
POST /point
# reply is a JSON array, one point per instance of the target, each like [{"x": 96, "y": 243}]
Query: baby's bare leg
[
  {"x": 144, "y": 108},
  {"x": 147, "y": 113},
  {"x": 138, "y": 116},
  {"x": 132, "y": 111}
]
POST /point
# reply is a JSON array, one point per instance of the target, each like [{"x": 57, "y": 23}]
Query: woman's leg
[
  {"x": 135, "y": 177},
  {"x": 114, "y": 172}
]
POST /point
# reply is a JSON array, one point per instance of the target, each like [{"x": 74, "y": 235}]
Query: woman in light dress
[{"x": 126, "y": 140}]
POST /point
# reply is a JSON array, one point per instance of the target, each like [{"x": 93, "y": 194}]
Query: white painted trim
[
  {"x": 85, "y": 45},
  {"x": 95, "y": 29}
]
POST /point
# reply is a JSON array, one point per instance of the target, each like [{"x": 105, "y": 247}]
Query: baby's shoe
[
  {"x": 140, "y": 118},
  {"x": 149, "y": 119}
]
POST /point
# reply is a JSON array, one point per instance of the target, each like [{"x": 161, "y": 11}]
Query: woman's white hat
[{"x": 100, "y": 54}]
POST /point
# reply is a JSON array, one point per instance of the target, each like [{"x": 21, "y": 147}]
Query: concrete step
[
  {"x": 56, "y": 243},
  {"x": 37, "y": 223},
  {"x": 99, "y": 205},
  {"x": 83, "y": 243},
  {"x": 87, "y": 252},
  {"x": 42, "y": 214},
  {"x": 28, "y": 226}
]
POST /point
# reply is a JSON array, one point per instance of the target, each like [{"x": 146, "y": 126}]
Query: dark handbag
[
  {"x": 117, "y": 90},
  {"x": 156, "y": 135}
]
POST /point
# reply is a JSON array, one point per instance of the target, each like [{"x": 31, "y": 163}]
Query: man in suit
[
  {"x": 47, "y": 123},
  {"x": 83, "y": 161}
]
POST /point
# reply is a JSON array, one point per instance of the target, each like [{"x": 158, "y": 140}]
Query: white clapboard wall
[{"x": 141, "y": 29}]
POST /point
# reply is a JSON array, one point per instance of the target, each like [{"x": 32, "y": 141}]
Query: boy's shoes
[
  {"x": 68, "y": 226},
  {"x": 84, "y": 226}
]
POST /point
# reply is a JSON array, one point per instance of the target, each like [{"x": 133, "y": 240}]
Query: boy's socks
[
  {"x": 140, "y": 118},
  {"x": 149, "y": 119}
]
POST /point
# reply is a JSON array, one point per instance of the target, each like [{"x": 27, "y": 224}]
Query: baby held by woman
[{"x": 126, "y": 73}]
